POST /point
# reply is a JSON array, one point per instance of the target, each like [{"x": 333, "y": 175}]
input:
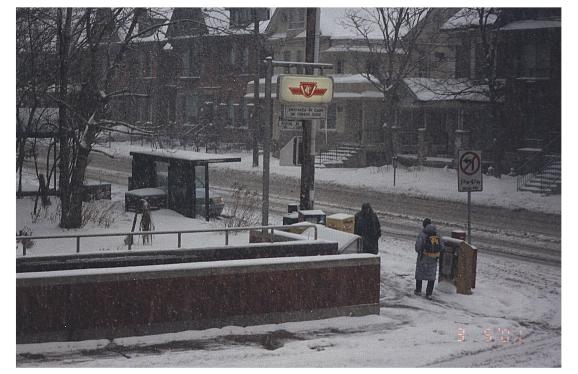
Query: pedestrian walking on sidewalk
[
  {"x": 367, "y": 226},
  {"x": 428, "y": 247}
]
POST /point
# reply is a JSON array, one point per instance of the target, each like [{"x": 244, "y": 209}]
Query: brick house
[
  {"x": 191, "y": 71},
  {"x": 356, "y": 117},
  {"x": 443, "y": 112}
]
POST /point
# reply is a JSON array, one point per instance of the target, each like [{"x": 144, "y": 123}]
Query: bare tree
[
  {"x": 91, "y": 45},
  {"x": 34, "y": 40},
  {"x": 391, "y": 44}
]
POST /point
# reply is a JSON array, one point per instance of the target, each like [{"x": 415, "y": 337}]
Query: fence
[{"x": 179, "y": 233}]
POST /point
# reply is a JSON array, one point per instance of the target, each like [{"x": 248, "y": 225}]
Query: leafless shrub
[
  {"x": 101, "y": 213},
  {"x": 26, "y": 243},
  {"x": 243, "y": 210},
  {"x": 49, "y": 213}
]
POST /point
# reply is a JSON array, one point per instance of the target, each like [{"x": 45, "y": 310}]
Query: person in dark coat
[
  {"x": 426, "y": 264},
  {"x": 367, "y": 226}
]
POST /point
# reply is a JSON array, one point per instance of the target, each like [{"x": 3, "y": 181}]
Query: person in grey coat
[
  {"x": 367, "y": 226},
  {"x": 426, "y": 264}
]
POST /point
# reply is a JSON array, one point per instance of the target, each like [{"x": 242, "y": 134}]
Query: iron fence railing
[
  {"x": 179, "y": 233},
  {"x": 537, "y": 164},
  {"x": 545, "y": 184}
]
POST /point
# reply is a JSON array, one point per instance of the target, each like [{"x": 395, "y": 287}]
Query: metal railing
[
  {"x": 530, "y": 174},
  {"x": 537, "y": 164},
  {"x": 179, "y": 234}
]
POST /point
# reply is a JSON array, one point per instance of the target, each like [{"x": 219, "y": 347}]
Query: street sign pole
[
  {"x": 469, "y": 217},
  {"x": 470, "y": 179},
  {"x": 267, "y": 142}
]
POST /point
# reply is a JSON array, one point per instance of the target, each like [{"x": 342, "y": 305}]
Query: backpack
[{"x": 433, "y": 244}]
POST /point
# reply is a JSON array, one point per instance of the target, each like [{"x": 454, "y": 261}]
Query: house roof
[
  {"x": 532, "y": 24},
  {"x": 466, "y": 18},
  {"x": 432, "y": 89},
  {"x": 336, "y": 23}
]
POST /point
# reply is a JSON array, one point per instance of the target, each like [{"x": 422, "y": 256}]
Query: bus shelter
[{"x": 184, "y": 178}]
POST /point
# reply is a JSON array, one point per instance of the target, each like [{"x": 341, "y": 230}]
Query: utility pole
[
  {"x": 267, "y": 141},
  {"x": 256, "y": 108},
  {"x": 307, "y": 197}
]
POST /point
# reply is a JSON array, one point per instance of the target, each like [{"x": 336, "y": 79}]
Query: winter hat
[{"x": 426, "y": 222}]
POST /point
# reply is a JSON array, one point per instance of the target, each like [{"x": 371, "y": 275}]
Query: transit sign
[
  {"x": 299, "y": 112},
  {"x": 304, "y": 89},
  {"x": 470, "y": 171}
]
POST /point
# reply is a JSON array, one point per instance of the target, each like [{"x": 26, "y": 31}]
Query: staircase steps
[{"x": 548, "y": 181}]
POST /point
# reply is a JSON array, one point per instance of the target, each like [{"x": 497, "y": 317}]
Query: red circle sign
[{"x": 470, "y": 163}]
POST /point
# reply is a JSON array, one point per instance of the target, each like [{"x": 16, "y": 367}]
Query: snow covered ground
[
  {"x": 424, "y": 182},
  {"x": 513, "y": 318}
]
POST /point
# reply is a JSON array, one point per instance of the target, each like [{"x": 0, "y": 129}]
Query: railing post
[
  {"x": 130, "y": 238},
  {"x": 315, "y": 227},
  {"x": 78, "y": 244},
  {"x": 179, "y": 239},
  {"x": 226, "y": 237},
  {"x": 23, "y": 249}
]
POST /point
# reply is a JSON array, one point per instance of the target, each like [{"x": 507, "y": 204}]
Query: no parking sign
[{"x": 470, "y": 171}]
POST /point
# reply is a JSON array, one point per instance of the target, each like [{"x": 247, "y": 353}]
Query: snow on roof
[
  {"x": 358, "y": 95},
  {"x": 359, "y": 49},
  {"x": 188, "y": 155},
  {"x": 465, "y": 18},
  {"x": 337, "y": 23},
  {"x": 532, "y": 24},
  {"x": 430, "y": 89}
]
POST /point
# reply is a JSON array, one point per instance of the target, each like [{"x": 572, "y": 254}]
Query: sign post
[
  {"x": 470, "y": 178},
  {"x": 300, "y": 90},
  {"x": 305, "y": 98}
]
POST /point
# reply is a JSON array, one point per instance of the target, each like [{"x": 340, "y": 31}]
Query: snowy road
[{"x": 513, "y": 232}]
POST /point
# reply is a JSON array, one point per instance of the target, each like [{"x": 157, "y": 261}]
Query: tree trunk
[
  {"x": 20, "y": 162},
  {"x": 63, "y": 133}
]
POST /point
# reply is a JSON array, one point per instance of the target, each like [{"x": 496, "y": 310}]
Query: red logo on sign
[{"x": 308, "y": 89}]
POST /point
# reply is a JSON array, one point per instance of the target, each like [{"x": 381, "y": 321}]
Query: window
[
  {"x": 339, "y": 65},
  {"x": 534, "y": 60},
  {"x": 299, "y": 56},
  {"x": 190, "y": 108},
  {"x": 149, "y": 109},
  {"x": 230, "y": 112},
  {"x": 244, "y": 113},
  {"x": 331, "y": 120},
  {"x": 244, "y": 58},
  {"x": 287, "y": 57},
  {"x": 296, "y": 18},
  {"x": 147, "y": 64},
  {"x": 191, "y": 63},
  {"x": 232, "y": 55},
  {"x": 462, "y": 61}
]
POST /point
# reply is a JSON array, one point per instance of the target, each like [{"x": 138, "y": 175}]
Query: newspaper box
[
  {"x": 342, "y": 222},
  {"x": 313, "y": 216}
]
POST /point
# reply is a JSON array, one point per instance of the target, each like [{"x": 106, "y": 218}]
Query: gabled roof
[
  {"x": 466, "y": 18},
  {"x": 532, "y": 24}
]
